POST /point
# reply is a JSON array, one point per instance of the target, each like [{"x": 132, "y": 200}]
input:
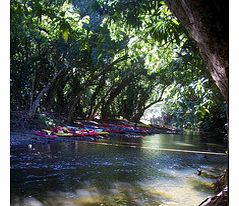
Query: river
[{"x": 154, "y": 170}]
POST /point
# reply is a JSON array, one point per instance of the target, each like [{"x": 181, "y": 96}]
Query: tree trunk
[
  {"x": 137, "y": 116},
  {"x": 89, "y": 82},
  {"x": 32, "y": 110},
  {"x": 141, "y": 108},
  {"x": 208, "y": 24},
  {"x": 72, "y": 107},
  {"x": 50, "y": 99},
  {"x": 221, "y": 199},
  {"x": 94, "y": 96},
  {"x": 95, "y": 110},
  {"x": 54, "y": 90},
  {"x": 33, "y": 87},
  {"x": 113, "y": 94},
  {"x": 75, "y": 99}
]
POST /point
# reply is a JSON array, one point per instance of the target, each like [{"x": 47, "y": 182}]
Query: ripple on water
[{"x": 80, "y": 174}]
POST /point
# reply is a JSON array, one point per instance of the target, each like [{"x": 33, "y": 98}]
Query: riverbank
[
  {"x": 22, "y": 131},
  {"x": 164, "y": 145}
]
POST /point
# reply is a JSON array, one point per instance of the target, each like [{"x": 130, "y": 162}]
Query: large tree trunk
[
  {"x": 208, "y": 24},
  {"x": 207, "y": 21}
]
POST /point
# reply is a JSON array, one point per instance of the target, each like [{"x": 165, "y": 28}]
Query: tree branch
[{"x": 157, "y": 100}]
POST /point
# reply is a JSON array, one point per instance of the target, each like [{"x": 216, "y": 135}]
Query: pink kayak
[{"x": 44, "y": 134}]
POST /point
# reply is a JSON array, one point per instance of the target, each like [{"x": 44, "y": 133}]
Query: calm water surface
[{"x": 70, "y": 172}]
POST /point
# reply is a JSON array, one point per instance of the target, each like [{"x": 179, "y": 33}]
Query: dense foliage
[{"x": 108, "y": 59}]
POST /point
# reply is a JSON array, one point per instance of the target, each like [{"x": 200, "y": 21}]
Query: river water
[{"x": 148, "y": 171}]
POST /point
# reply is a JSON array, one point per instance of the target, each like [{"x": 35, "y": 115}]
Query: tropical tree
[
  {"x": 106, "y": 58},
  {"x": 152, "y": 23}
]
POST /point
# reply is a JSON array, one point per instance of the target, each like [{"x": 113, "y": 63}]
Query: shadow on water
[
  {"x": 115, "y": 194},
  {"x": 76, "y": 173},
  {"x": 201, "y": 185}
]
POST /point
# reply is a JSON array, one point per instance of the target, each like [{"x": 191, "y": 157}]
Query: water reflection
[
  {"x": 183, "y": 142},
  {"x": 77, "y": 173},
  {"x": 119, "y": 193}
]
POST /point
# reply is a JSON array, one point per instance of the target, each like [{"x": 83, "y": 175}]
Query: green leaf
[
  {"x": 65, "y": 34},
  {"x": 207, "y": 111}
]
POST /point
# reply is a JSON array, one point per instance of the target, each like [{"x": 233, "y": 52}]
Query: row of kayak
[
  {"x": 88, "y": 130},
  {"x": 75, "y": 133},
  {"x": 119, "y": 128}
]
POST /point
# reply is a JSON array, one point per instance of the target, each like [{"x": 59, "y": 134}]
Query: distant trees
[
  {"x": 104, "y": 59},
  {"x": 155, "y": 23}
]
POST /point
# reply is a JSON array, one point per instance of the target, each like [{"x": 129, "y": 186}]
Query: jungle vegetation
[{"x": 110, "y": 59}]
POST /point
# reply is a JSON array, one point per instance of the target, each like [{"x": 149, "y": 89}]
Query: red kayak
[
  {"x": 44, "y": 134},
  {"x": 88, "y": 132}
]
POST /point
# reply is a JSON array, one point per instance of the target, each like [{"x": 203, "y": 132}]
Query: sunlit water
[{"x": 73, "y": 173}]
